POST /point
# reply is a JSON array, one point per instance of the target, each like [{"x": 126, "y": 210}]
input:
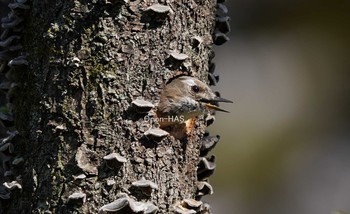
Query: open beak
[{"x": 210, "y": 103}]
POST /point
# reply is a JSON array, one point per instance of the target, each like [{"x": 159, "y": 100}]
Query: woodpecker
[{"x": 183, "y": 99}]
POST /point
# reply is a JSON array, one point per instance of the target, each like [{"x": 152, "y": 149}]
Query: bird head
[{"x": 189, "y": 97}]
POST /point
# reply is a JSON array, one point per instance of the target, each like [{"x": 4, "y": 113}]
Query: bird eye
[{"x": 195, "y": 89}]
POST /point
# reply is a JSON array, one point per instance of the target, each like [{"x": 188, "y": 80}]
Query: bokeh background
[{"x": 285, "y": 147}]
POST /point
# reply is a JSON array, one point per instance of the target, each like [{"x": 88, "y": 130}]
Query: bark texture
[{"x": 87, "y": 62}]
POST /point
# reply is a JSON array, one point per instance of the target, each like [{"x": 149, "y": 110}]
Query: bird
[{"x": 183, "y": 99}]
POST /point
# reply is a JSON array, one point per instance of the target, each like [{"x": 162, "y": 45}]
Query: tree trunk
[{"x": 83, "y": 142}]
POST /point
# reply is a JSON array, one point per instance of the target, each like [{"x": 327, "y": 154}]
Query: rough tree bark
[{"x": 82, "y": 140}]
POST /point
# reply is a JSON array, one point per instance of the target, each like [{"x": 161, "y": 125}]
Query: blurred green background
[{"x": 285, "y": 147}]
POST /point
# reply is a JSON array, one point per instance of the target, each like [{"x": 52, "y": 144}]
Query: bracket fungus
[
  {"x": 12, "y": 185},
  {"x": 2, "y": 65},
  {"x": 77, "y": 198},
  {"x": 11, "y": 135},
  {"x": 17, "y": 161},
  {"x": 209, "y": 120},
  {"x": 18, "y": 5},
  {"x": 204, "y": 188},
  {"x": 82, "y": 158},
  {"x": 208, "y": 143},
  {"x": 4, "y": 193},
  {"x": 8, "y": 173},
  {"x": 156, "y": 134},
  {"x": 191, "y": 203},
  {"x": 206, "y": 167},
  {"x": 176, "y": 55},
  {"x": 211, "y": 55},
  {"x": 197, "y": 41},
  {"x": 114, "y": 160},
  {"x": 213, "y": 79},
  {"x": 223, "y": 24},
  {"x": 21, "y": 60},
  {"x": 150, "y": 208},
  {"x": 7, "y": 147},
  {"x": 159, "y": 8},
  {"x": 4, "y": 34},
  {"x": 157, "y": 14},
  {"x": 6, "y": 119},
  {"x": 7, "y": 42},
  {"x": 220, "y": 38},
  {"x": 145, "y": 186},
  {"x": 212, "y": 67},
  {"x": 79, "y": 177},
  {"x": 11, "y": 21},
  {"x": 221, "y": 8},
  {"x": 183, "y": 210},
  {"x": 142, "y": 106},
  {"x": 126, "y": 204}
]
